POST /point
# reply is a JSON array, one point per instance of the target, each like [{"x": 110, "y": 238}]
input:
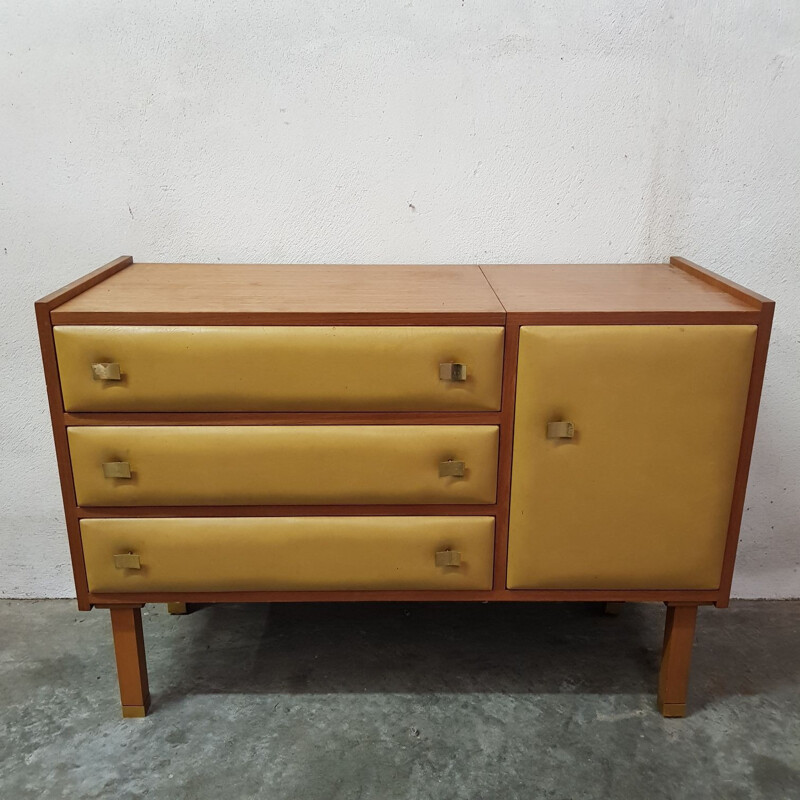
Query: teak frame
[{"x": 126, "y": 620}]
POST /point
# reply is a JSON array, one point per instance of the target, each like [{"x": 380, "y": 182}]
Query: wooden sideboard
[{"x": 252, "y": 433}]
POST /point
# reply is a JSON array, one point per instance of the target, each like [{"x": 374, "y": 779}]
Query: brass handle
[
  {"x": 560, "y": 430},
  {"x": 127, "y": 561},
  {"x": 452, "y": 372},
  {"x": 106, "y": 372},
  {"x": 448, "y": 558},
  {"x": 117, "y": 469},
  {"x": 451, "y": 469}
]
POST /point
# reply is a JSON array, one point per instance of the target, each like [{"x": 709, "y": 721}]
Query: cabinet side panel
[
  {"x": 746, "y": 449},
  {"x": 55, "y": 403}
]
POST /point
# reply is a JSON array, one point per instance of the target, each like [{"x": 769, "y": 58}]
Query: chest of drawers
[{"x": 251, "y": 433}]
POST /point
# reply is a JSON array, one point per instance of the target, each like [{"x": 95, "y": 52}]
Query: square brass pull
[
  {"x": 106, "y": 372},
  {"x": 127, "y": 561},
  {"x": 452, "y": 372},
  {"x": 560, "y": 430},
  {"x": 448, "y": 558},
  {"x": 451, "y": 469},
  {"x": 117, "y": 469}
]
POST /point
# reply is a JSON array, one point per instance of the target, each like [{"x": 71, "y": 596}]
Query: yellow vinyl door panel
[
  {"x": 626, "y": 442},
  {"x": 309, "y": 464},
  {"x": 280, "y": 368},
  {"x": 287, "y": 553}
]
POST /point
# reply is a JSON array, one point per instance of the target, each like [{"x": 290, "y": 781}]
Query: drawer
[
  {"x": 288, "y": 553},
  {"x": 309, "y": 464},
  {"x": 244, "y": 368}
]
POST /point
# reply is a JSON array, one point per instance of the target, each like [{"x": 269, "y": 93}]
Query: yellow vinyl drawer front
[
  {"x": 288, "y": 553},
  {"x": 279, "y": 368},
  {"x": 626, "y": 443},
  {"x": 309, "y": 464}
]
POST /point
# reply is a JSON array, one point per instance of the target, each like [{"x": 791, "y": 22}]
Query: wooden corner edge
[
  {"x": 83, "y": 283},
  {"x": 722, "y": 283}
]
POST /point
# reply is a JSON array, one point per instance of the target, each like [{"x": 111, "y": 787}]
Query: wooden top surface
[
  {"x": 396, "y": 294},
  {"x": 537, "y": 288},
  {"x": 289, "y": 289}
]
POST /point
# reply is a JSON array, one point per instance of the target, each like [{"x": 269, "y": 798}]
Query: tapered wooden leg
[
  {"x": 178, "y": 608},
  {"x": 676, "y": 657},
  {"x": 126, "y": 625}
]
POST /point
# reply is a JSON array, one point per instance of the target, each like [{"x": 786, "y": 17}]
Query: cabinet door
[{"x": 639, "y": 497}]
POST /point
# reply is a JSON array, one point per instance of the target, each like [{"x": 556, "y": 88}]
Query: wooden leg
[
  {"x": 126, "y": 625},
  {"x": 673, "y": 680},
  {"x": 178, "y": 608},
  {"x": 612, "y": 609}
]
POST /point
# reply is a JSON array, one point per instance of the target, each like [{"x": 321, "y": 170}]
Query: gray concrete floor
[{"x": 399, "y": 701}]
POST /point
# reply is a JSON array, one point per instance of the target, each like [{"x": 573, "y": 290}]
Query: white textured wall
[{"x": 422, "y": 131}]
